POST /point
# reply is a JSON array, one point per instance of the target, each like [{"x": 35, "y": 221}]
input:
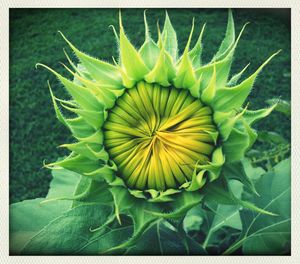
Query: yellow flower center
[{"x": 156, "y": 135}]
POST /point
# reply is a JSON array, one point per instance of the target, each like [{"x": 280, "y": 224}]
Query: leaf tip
[
  {"x": 120, "y": 19},
  {"x": 37, "y": 65}
]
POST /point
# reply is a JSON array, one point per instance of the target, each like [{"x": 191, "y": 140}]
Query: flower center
[{"x": 156, "y": 135}]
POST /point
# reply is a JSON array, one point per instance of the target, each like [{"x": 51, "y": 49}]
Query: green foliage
[
  {"x": 272, "y": 147},
  {"x": 282, "y": 106},
  {"x": 165, "y": 241},
  {"x": 220, "y": 225},
  {"x": 27, "y": 218},
  {"x": 69, "y": 232},
  {"x": 263, "y": 234},
  {"x": 88, "y": 227},
  {"x": 248, "y": 232}
]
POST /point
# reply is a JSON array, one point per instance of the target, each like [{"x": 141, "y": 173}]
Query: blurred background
[{"x": 34, "y": 131}]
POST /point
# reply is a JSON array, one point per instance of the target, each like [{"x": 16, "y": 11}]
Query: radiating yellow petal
[{"x": 157, "y": 135}]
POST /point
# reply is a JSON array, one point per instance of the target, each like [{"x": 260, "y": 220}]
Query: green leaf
[
  {"x": 271, "y": 137},
  {"x": 273, "y": 240},
  {"x": 142, "y": 218},
  {"x": 222, "y": 67},
  {"x": 102, "y": 172},
  {"x": 236, "y": 145},
  {"x": 180, "y": 206},
  {"x": 149, "y": 53},
  {"x": 82, "y": 71},
  {"x": 196, "y": 52},
  {"x": 69, "y": 232},
  {"x": 253, "y": 173},
  {"x": 165, "y": 241},
  {"x": 212, "y": 219},
  {"x": 81, "y": 188},
  {"x": 265, "y": 234},
  {"x": 149, "y": 50},
  {"x": 224, "y": 215},
  {"x": 251, "y": 133},
  {"x": 112, "y": 237},
  {"x": 222, "y": 71},
  {"x": 214, "y": 167},
  {"x": 252, "y": 117},
  {"x": 103, "y": 72},
  {"x": 93, "y": 118},
  {"x": 227, "y": 215},
  {"x": 80, "y": 128},
  {"x": 97, "y": 138},
  {"x": 123, "y": 201},
  {"x": 169, "y": 38},
  {"x": 230, "y": 98},
  {"x": 197, "y": 181},
  {"x": 83, "y": 96},
  {"x": 185, "y": 77},
  {"x": 227, "y": 121},
  {"x": 209, "y": 92},
  {"x": 87, "y": 191},
  {"x": 193, "y": 219},
  {"x": 78, "y": 163},
  {"x": 235, "y": 78},
  {"x": 220, "y": 192},
  {"x": 91, "y": 192},
  {"x": 58, "y": 113},
  {"x": 229, "y": 38},
  {"x": 105, "y": 94},
  {"x": 163, "y": 71},
  {"x": 63, "y": 183},
  {"x": 30, "y": 216},
  {"x": 90, "y": 150},
  {"x": 236, "y": 171},
  {"x": 144, "y": 213},
  {"x": 131, "y": 60},
  {"x": 281, "y": 106}
]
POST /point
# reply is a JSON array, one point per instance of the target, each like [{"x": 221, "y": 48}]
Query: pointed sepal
[
  {"x": 149, "y": 51},
  {"x": 228, "y": 40},
  {"x": 103, "y": 72},
  {"x": 163, "y": 71},
  {"x": 80, "y": 94},
  {"x": 196, "y": 52},
  {"x": 235, "y": 78},
  {"x": 90, "y": 150},
  {"x": 252, "y": 117},
  {"x": 131, "y": 60},
  {"x": 230, "y": 98},
  {"x": 215, "y": 165},
  {"x": 170, "y": 38},
  {"x": 209, "y": 92},
  {"x": 185, "y": 76}
]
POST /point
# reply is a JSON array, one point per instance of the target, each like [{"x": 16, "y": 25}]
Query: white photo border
[{"x": 4, "y": 128}]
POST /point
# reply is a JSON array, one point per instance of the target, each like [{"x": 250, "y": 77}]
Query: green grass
[{"x": 34, "y": 131}]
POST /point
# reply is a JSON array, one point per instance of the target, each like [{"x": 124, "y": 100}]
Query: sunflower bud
[
  {"x": 156, "y": 135},
  {"x": 157, "y": 124}
]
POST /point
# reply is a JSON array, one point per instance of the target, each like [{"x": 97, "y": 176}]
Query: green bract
[{"x": 156, "y": 129}]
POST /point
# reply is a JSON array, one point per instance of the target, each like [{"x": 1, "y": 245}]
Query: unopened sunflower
[{"x": 156, "y": 128}]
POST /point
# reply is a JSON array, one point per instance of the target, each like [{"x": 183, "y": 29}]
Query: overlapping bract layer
[
  {"x": 98, "y": 84},
  {"x": 157, "y": 135}
]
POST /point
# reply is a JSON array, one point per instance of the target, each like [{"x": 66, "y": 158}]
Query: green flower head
[{"x": 157, "y": 126}]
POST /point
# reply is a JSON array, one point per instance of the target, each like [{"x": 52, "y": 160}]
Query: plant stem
[{"x": 234, "y": 247}]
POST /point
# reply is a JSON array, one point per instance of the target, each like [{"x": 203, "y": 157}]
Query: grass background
[{"x": 34, "y": 131}]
